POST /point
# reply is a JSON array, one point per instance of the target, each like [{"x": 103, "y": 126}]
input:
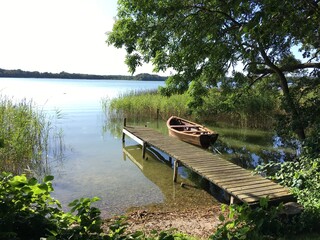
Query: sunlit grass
[
  {"x": 146, "y": 105},
  {"x": 25, "y": 134}
]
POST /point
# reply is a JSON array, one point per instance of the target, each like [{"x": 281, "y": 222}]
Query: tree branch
[
  {"x": 288, "y": 68},
  {"x": 257, "y": 79},
  {"x": 219, "y": 12},
  {"x": 314, "y": 56}
]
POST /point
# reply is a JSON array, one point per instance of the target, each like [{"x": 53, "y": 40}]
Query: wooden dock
[{"x": 238, "y": 182}]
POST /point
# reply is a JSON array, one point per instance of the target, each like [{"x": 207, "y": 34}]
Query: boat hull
[{"x": 191, "y": 132}]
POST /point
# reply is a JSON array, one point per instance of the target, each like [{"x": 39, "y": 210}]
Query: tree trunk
[{"x": 296, "y": 118}]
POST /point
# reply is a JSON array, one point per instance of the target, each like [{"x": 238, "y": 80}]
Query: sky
[{"x": 60, "y": 35}]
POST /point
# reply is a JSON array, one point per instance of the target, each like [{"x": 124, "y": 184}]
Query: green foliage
[
  {"x": 89, "y": 222},
  {"x": 169, "y": 235},
  {"x": 20, "y": 134},
  {"x": 117, "y": 229},
  {"x": 27, "y": 211},
  {"x": 245, "y": 222},
  {"x": 254, "y": 108},
  {"x": 302, "y": 175},
  {"x": 26, "y": 208},
  {"x": 144, "y": 105},
  {"x": 203, "y": 42},
  {"x": 304, "y": 179},
  {"x": 305, "y": 92},
  {"x": 25, "y": 134}
]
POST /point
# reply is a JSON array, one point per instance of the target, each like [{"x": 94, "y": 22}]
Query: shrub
[
  {"x": 244, "y": 222},
  {"x": 302, "y": 176},
  {"x": 27, "y": 211}
]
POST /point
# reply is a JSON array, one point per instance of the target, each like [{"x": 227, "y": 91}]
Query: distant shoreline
[{"x": 64, "y": 75}]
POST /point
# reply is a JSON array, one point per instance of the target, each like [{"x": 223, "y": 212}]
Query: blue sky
[{"x": 60, "y": 35}]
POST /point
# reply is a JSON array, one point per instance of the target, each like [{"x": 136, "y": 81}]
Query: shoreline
[{"x": 199, "y": 222}]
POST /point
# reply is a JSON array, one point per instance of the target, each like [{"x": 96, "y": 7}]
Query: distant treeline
[{"x": 64, "y": 75}]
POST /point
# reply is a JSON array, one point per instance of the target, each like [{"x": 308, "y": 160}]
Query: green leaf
[
  {"x": 18, "y": 180},
  {"x": 230, "y": 225},
  {"x": 264, "y": 202},
  {"x": 48, "y": 178},
  {"x": 221, "y": 217},
  {"x": 95, "y": 199},
  {"x": 32, "y": 181},
  {"x": 43, "y": 187},
  {"x": 73, "y": 203}
]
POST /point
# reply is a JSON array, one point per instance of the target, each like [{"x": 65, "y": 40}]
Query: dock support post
[
  {"x": 124, "y": 125},
  {"x": 175, "y": 170},
  {"x": 144, "y": 146},
  {"x": 231, "y": 200}
]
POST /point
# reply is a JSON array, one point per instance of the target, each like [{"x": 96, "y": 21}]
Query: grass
[
  {"x": 25, "y": 134},
  {"x": 145, "y": 105}
]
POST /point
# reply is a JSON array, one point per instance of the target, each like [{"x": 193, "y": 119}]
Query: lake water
[{"x": 95, "y": 162}]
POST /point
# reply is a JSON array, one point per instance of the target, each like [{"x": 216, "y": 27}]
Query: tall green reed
[
  {"x": 25, "y": 136},
  {"x": 144, "y": 105},
  {"x": 254, "y": 110}
]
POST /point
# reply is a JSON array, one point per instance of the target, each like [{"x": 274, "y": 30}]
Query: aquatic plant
[
  {"x": 256, "y": 111},
  {"x": 25, "y": 136},
  {"x": 143, "y": 105}
]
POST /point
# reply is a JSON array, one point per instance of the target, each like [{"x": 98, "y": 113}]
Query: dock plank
[
  {"x": 235, "y": 180},
  {"x": 253, "y": 185}
]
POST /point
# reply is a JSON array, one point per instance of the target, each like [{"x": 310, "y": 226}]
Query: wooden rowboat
[{"x": 191, "y": 132}]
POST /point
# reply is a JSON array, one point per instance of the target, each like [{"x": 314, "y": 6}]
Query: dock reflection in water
[{"x": 158, "y": 170}]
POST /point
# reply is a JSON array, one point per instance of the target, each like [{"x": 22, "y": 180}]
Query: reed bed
[
  {"x": 144, "y": 105},
  {"x": 25, "y": 134},
  {"x": 254, "y": 111}
]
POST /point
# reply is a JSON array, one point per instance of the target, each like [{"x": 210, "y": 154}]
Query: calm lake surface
[{"x": 94, "y": 162}]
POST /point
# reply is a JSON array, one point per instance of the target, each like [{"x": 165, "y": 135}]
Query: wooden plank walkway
[{"x": 238, "y": 182}]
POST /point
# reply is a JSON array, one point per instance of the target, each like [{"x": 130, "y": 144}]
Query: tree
[{"x": 203, "y": 40}]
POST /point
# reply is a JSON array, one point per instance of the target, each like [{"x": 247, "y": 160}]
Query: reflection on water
[
  {"x": 158, "y": 169},
  {"x": 249, "y": 158}
]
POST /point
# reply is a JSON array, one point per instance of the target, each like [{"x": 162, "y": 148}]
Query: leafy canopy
[
  {"x": 204, "y": 40},
  {"x": 209, "y": 37}
]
